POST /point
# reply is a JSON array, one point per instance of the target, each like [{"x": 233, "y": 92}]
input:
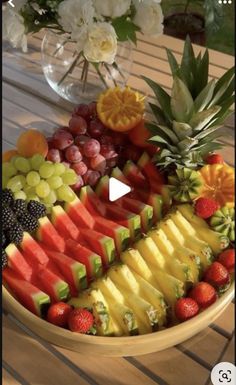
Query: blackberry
[
  {"x": 4, "y": 259},
  {"x": 7, "y": 197},
  {"x": 8, "y": 218},
  {"x": 15, "y": 234},
  {"x": 37, "y": 209},
  {"x": 19, "y": 207},
  {"x": 4, "y": 239},
  {"x": 28, "y": 222}
]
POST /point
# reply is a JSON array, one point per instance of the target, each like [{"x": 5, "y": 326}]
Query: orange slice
[
  {"x": 120, "y": 109},
  {"x": 32, "y": 142},
  {"x": 7, "y": 155}
]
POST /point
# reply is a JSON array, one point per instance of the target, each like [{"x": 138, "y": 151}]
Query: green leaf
[
  {"x": 209, "y": 147},
  {"x": 174, "y": 66},
  {"x": 222, "y": 86},
  {"x": 225, "y": 111},
  {"x": 158, "y": 113},
  {"x": 182, "y": 129},
  {"x": 205, "y": 96},
  {"x": 228, "y": 93},
  {"x": 202, "y": 73},
  {"x": 188, "y": 64},
  {"x": 125, "y": 29},
  {"x": 206, "y": 132},
  {"x": 162, "y": 97},
  {"x": 163, "y": 131},
  {"x": 181, "y": 101},
  {"x": 158, "y": 138},
  {"x": 202, "y": 118}
]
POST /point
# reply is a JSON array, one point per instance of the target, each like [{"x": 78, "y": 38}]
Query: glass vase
[{"x": 72, "y": 79}]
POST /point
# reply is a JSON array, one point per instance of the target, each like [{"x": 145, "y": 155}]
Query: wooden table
[{"x": 29, "y": 102}]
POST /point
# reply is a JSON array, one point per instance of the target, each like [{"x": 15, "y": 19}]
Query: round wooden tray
[{"x": 117, "y": 346}]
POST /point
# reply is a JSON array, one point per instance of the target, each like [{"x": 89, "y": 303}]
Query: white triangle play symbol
[{"x": 117, "y": 189}]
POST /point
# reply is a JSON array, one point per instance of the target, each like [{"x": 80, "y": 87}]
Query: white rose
[
  {"x": 74, "y": 14},
  {"x": 101, "y": 44},
  {"x": 149, "y": 17},
  {"x": 112, "y": 8},
  {"x": 13, "y": 29}
]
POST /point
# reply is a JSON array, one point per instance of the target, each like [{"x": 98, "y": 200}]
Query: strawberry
[
  {"x": 204, "y": 294},
  {"x": 186, "y": 308},
  {"x": 206, "y": 207},
  {"x": 214, "y": 159},
  {"x": 227, "y": 259},
  {"x": 217, "y": 275},
  {"x": 58, "y": 314},
  {"x": 81, "y": 321}
]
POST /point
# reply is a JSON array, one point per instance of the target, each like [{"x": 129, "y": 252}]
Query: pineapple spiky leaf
[{"x": 187, "y": 122}]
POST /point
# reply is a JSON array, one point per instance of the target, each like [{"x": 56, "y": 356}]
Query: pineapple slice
[
  {"x": 135, "y": 262},
  {"x": 93, "y": 299},
  {"x": 171, "y": 287},
  {"x": 150, "y": 252},
  {"x": 154, "y": 296},
  {"x": 216, "y": 241},
  {"x": 177, "y": 268},
  {"x": 116, "y": 302},
  {"x": 184, "y": 239},
  {"x": 192, "y": 259},
  {"x": 121, "y": 274}
]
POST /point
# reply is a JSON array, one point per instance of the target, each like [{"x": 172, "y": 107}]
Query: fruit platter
[{"x": 150, "y": 269}]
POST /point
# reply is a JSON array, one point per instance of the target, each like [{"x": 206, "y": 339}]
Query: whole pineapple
[{"x": 187, "y": 121}]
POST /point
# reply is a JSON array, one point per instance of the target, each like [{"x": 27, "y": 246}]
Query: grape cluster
[
  {"x": 39, "y": 179},
  {"x": 87, "y": 146}
]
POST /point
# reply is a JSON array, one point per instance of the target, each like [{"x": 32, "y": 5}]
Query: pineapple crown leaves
[{"x": 187, "y": 121}]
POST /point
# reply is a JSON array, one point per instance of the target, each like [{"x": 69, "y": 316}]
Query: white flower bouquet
[{"x": 95, "y": 26}]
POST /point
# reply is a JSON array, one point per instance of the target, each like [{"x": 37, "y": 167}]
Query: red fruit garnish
[
  {"x": 227, "y": 259},
  {"x": 206, "y": 207},
  {"x": 80, "y": 320},
  {"x": 58, "y": 314},
  {"x": 204, "y": 294},
  {"x": 214, "y": 159},
  {"x": 217, "y": 275},
  {"x": 186, "y": 308}
]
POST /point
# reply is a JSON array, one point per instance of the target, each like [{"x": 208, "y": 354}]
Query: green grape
[
  {"x": 51, "y": 198},
  {"x": 15, "y": 184},
  {"x": 42, "y": 189},
  {"x": 29, "y": 190},
  {"x": 65, "y": 193},
  {"x": 22, "y": 164},
  {"x": 59, "y": 169},
  {"x": 69, "y": 178},
  {"x": 8, "y": 169},
  {"x": 36, "y": 161},
  {"x": 32, "y": 198},
  {"x": 54, "y": 182},
  {"x": 33, "y": 178},
  {"x": 12, "y": 161},
  {"x": 20, "y": 195},
  {"x": 4, "y": 181},
  {"x": 22, "y": 178},
  {"x": 48, "y": 207},
  {"x": 46, "y": 170}
]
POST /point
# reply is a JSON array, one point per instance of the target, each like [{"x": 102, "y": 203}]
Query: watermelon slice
[
  {"x": 54, "y": 286},
  {"x": 118, "y": 174},
  {"x": 82, "y": 254},
  {"x": 63, "y": 223},
  {"x": 145, "y": 211},
  {"x": 33, "y": 250},
  {"x": 18, "y": 263},
  {"x": 155, "y": 178},
  {"x": 91, "y": 201},
  {"x": 73, "y": 271},
  {"x": 120, "y": 234},
  {"x": 29, "y": 295},
  {"x": 135, "y": 176},
  {"x": 47, "y": 234},
  {"x": 79, "y": 214},
  {"x": 125, "y": 218},
  {"x": 100, "y": 244},
  {"x": 102, "y": 189}
]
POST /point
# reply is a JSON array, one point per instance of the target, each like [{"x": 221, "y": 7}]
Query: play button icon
[{"x": 117, "y": 189}]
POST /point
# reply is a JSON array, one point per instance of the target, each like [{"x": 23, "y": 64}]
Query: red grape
[
  {"x": 98, "y": 163},
  {"x": 92, "y": 109},
  {"x": 66, "y": 164},
  {"x": 82, "y": 110},
  {"x": 120, "y": 139},
  {"x": 77, "y": 125},
  {"x": 62, "y": 140},
  {"x": 132, "y": 152},
  {"x": 73, "y": 155},
  {"x": 107, "y": 150},
  {"x": 96, "y": 129},
  {"x": 80, "y": 168},
  {"x": 91, "y": 178},
  {"x": 112, "y": 162},
  {"x": 77, "y": 186},
  {"x": 81, "y": 139},
  {"x": 50, "y": 142},
  {"x": 106, "y": 139},
  {"x": 91, "y": 148},
  {"x": 54, "y": 155}
]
